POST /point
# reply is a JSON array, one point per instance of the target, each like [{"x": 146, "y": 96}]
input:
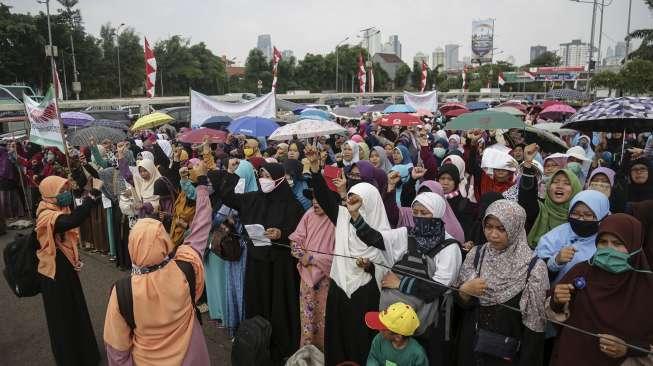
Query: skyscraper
[
  {"x": 393, "y": 40},
  {"x": 438, "y": 57},
  {"x": 451, "y": 56},
  {"x": 286, "y": 54},
  {"x": 264, "y": 44},
  {"x": 620, "y": 50},
  {"x": 574, "y": 53},
  {"x": 537, "y": 51},
  {"x": 419, "y": 57}
]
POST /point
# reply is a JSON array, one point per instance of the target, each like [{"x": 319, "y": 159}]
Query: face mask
[
  {"x": 613, "y": 261},
  {"x": 64, "y": 199},
  {"x": 50, "y": 157},
  {"x": 439, "y": 152},
  {"x": 248, "y": 152},
  {"x": 268, "y": 185},
  {"x": 352, "y": 182},
  {"x": 575, "y": 167},
  {"x": 584, "y": 228},
  {"x": 428, "y": 233},
  {"x": 604, "y": 188}
]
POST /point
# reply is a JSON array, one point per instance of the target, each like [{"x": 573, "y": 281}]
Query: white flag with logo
[{"x": 43, "y": 117}]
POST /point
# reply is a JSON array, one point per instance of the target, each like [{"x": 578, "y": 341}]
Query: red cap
[{"x": 373, "y": 321}]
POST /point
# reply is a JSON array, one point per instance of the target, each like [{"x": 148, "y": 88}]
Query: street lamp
[
  {"x": 630, "y": 8},
  {"x": 52, "y": 65},
  {"x": 118, "y": 49},
  {"x": 337, "y": 65}
]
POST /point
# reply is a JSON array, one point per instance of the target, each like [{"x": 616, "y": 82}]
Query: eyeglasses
[{"x": 583, "y": 217}]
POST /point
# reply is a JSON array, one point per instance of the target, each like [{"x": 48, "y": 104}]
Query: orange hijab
[
  {"x": 163, "y": 313},
  {"x": 46, "y": 216}
]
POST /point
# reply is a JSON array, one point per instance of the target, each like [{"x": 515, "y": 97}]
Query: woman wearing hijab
[
  {"x": 269, "y": 269},
  {"x": 495, "y": 173},
  {"x": 11, "y": 202},
  {"x": 466, "y": 185},
  {"x": 296, "y": 150},
  {"x": 350, "y": 154},
  {"x": 401, "y": 156},
  {"x": 379, "y": 159},
  {"x": 71, "y": 333},
  {"x": 167, "y": 330},
  {"x": 502, "y": 271},
  {"x": 312, "y": 243},
  {"x": 476, "y": 235},
  {"x": 640, "y": 187},
  {"x": 296, "y": 180},
  {"x": 454, "y": 144},
  {"x": 602, "y": 179},
  {"x": 616, "y": 301},
  {"x": 463, "y": 208}
]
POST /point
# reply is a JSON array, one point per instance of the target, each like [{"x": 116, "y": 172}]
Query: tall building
[
  {"x": 264, "y": 44},
  {"x": 537, "y": 51},
  {"x": 574, "y": 53},
  {"x": 287, "y": 54},
  {"x": 438, "y": 57},
  {"x": 395, "y": 45},
  {"x": 451, "y": 56},
  {"x": 375, "y": 44},
  {"x": 419, "y": 57},
  {"x": 620, "y": 50}
]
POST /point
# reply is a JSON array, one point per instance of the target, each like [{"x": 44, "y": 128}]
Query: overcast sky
[{"x": 231, "y": 27}]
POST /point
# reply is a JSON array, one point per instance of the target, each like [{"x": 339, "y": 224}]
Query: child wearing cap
[{"x": 394, "y": 345}]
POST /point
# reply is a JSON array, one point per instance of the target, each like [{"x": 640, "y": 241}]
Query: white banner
[
  {"x": 427, "y": 101},
  {"x": 43, "y": 118},
  {"x": 203, "y": 107}
]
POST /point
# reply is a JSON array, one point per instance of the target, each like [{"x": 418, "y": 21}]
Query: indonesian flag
[
  {"x": 58, "y": 90},
  {"x": 150, "y": 70},
  {"x": 422, "y": 83},
  {"x": 501, "y": 80},
  {"x": 371, "y": 79},
  {"x": 529, "y": 75},
  {"x": 464, "y": 78},
  {"x": 362, "y": 79},
  {"x": 276, "y": 57}
]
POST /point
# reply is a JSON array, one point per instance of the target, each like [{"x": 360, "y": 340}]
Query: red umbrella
[
  {"x": 548, "y": 103},
  {"x": 399, "y": 119},
  {"x": 452, "y": 106},
  {"x": 517, "y": 105},
  {"x": 455, "y": 113},
  {"x": 197, "y": 136}
]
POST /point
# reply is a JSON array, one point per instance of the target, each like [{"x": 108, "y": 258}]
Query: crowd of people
[{"x": 385, "y": 246}]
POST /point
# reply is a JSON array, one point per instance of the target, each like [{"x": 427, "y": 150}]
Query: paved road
[{"x": 23, "y": 331}]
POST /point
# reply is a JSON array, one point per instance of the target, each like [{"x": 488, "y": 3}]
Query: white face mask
[
  {"x": 268, "y": 185},
  {"x": 240, "y": 186}
]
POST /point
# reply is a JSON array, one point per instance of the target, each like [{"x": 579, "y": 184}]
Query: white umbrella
[
  {"x": 555, "y": 127},
  {"x": 306, "y": 128}
]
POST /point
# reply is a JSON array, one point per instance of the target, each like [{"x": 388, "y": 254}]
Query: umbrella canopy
[
  {"x": 378, "y": 107},
  {"x": 362, "y": 108},
  {"x": 399, "y": 119},
  {"x": 452, "y": 106},
  {"x": 314, "y": 112},
  {"x": 452, "y": 113},
  {"x": 197, "y": 136},
  {"x": 516, "y": 105},
  {"x": 75, "y": 119},
  {"x": 632, "y": 114},
  {"x": 399, "y": 108},
  {"x": 510, "y": 110},
  {"x": 547, "y": 141},
  {"x": 109, "y": 123},
  {"x": 485, "y": 120},
  {"x": 347, "y": 112},
  {"x": 285, "y": 105},
  {"x": 217, "y": 122},
  {"x": 306, "y": 128},
  {"x": 555, "y": 127},
  {"x": 253, "y": 126},
  {"x": 477, "y": 106},
  {"x": 566, "y": 94},
  {"x": 424, "y": 112},
  {"x": 548, "y": 103},
  {"x": 152, "y": 120},
  {"x": 84, "y": 136}
]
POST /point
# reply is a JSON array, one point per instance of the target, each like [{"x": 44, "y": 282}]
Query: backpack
[
  {"x": 21, "y": 265},
  {"x": 252, "y": 343},
  {"x": 126, "y": 300}
]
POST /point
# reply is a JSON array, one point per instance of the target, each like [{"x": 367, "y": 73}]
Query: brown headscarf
[
  {"x": 46, "y": 216},
  {"x": 163, "y": 312},
  {"x": 615, "y": 304}
]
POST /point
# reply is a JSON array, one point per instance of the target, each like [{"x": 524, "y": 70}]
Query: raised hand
[
  {"x": 354, "y": 203},
  {"x": 417, "y": 173}
]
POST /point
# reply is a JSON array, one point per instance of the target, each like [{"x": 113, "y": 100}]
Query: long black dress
[
  {"x": 271, "y": 278},
  {"x": 69, "y": 324}
]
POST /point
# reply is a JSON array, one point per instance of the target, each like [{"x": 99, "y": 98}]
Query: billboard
[{"x": 482, "y": 40}]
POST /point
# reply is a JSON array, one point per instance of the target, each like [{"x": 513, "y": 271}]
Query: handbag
[
  {"x": 224, "y": 241},
  {"x": 496, "y": 345}
]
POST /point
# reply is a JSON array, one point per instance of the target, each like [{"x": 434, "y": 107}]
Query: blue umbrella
[
  {"x": 314, "y": 112},
  {"x": 253, "y": 126},
  {"x": 477, "y": 106},
  {"x": 298, "y": 110},
  {"x": 321, "y": 118},
  {"x": 399, "y": 108},
  {"x": 216, "y": 122}
]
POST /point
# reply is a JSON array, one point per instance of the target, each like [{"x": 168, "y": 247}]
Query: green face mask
[
  {"x": 613, "y": 261},
  {"x": 575, "y": 167},
  {"x": 64, "y": 199}
]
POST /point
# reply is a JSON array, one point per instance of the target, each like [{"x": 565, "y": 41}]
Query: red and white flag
[
  {"x": 501, "y": 79},
  {"x": 422, "y": 83},
  {"x": 529, "y": 75},
  {"x": 362, "y": 78},
  {"x": 150, "y": 70},
  {"x": 464, "y": 78},
  {"x": 371, "y": 79},
  {"x": 276, "y": 57}
]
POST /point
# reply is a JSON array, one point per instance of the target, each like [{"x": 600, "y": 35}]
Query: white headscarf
[
  {"x": 459, "y": 163},
  {"x": 344, "y": 271},
  {"x": 497, "y": 159},
  {"x": 145, "y": 188},
  {"x": 355, "y": 155},
  {"x": 146, "y": 155},
  {"x": 433, "y": 202}
]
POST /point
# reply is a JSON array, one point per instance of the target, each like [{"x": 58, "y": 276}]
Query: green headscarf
[{"x": 553, "y": 214}]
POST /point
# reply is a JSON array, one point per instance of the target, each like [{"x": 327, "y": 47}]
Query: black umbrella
[
  {"x": 84, "y": 136},
  {"x": 110, "y": 123},
  {"x": 632, "y": 114},
  {"x": 217, "y": 122}
]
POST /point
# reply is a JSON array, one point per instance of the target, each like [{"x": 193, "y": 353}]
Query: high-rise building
[
  {"x": 419, "y": 57},
  {"x": 537, "y": 51},
  {"x": 620, "y": 50},
  {"x": 393, "y": 40},
  {"x": 451, "y": 56},
  {"x": 287, "y": 54},
  {"x": 438, "y": 57},
  {"x": 375, "y": 44},
  {"x": 264, "y": 44},
  {"x": 574, "y": 53}
]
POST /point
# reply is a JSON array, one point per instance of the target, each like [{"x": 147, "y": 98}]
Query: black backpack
[
  {"x": 21, "y": 265},
  {"x": 252, "y": 343}
]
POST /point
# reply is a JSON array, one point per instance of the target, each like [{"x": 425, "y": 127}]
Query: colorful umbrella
[
  {"x": 632, "y": 114},
  {"x": 379, "y": 107},
  {"x": 556, "y": 112},
  {"x": 151, "y": 120},
  {"x": 548, "y": 103},
  {"x": 84, "y": 136},
  {"x": 424, "y": 112},
  {"x": 399, "y": 119},
  {"x": 253, "y": 126},
  {"x": 216, "y": 122},
  {"x": 314, "y": 112},
  {"x": 306, "y": 128},
  {"x": 516, "y": 105},
  {"x": 362, "y": 108},
  {"x": 510, "y": 110},
  {"x": 485, "y": 120},
  {"x": 399, "y": 108},
  {"x": 477, "y": 106},
  {"x": 197, "y": 136},
  {"x": 452, "y": 113},
  {"x": 77, "y": 119},
  {"x": 452, "y": 106},
  {"x": 346, "y": 112}
]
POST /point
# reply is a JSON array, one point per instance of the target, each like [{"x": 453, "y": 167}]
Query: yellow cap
[{"x": 399, "y": 318}]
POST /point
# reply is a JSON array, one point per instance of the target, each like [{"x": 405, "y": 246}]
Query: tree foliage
[
  {"x": 645, "y": 50},
  {"x": 636, "y": 77},
  {"x": 547, "y": 58}
]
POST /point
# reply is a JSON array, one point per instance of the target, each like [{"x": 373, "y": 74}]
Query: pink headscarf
[{"x": 314, "y": 232}]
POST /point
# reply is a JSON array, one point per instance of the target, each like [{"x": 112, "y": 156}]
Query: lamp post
[
  {"x": 116, "y": 32},
  {"x": 630, "y": 8},
  {"x": 337, "y": 65},
  {"x": 52, "y": 65}
]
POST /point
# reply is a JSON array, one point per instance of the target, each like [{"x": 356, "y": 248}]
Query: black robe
[{"x": 69, "y": 324}]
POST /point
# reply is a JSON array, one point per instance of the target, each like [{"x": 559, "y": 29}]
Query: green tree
[
  {"x": 212, "y": 71},
  {"x": 607, "y": 79},
  {"x": 637, "y": 76},
  {"x": 312, "y": 72},
  {"x": 645, "y": 50},
  {"x": 546, "y": 59},
  {"x": 381, "y": 79},
  {"x": 401, "y": 76},
  {"x": 257, "y": 68}
]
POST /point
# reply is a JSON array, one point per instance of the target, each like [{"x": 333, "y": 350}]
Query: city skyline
[{"x": 232, "y": 28}]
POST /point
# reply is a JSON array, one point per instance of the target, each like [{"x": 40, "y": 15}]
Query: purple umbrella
[
  {"x": 77, "y": 119},
  {"x": 363, "y": 108}
]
